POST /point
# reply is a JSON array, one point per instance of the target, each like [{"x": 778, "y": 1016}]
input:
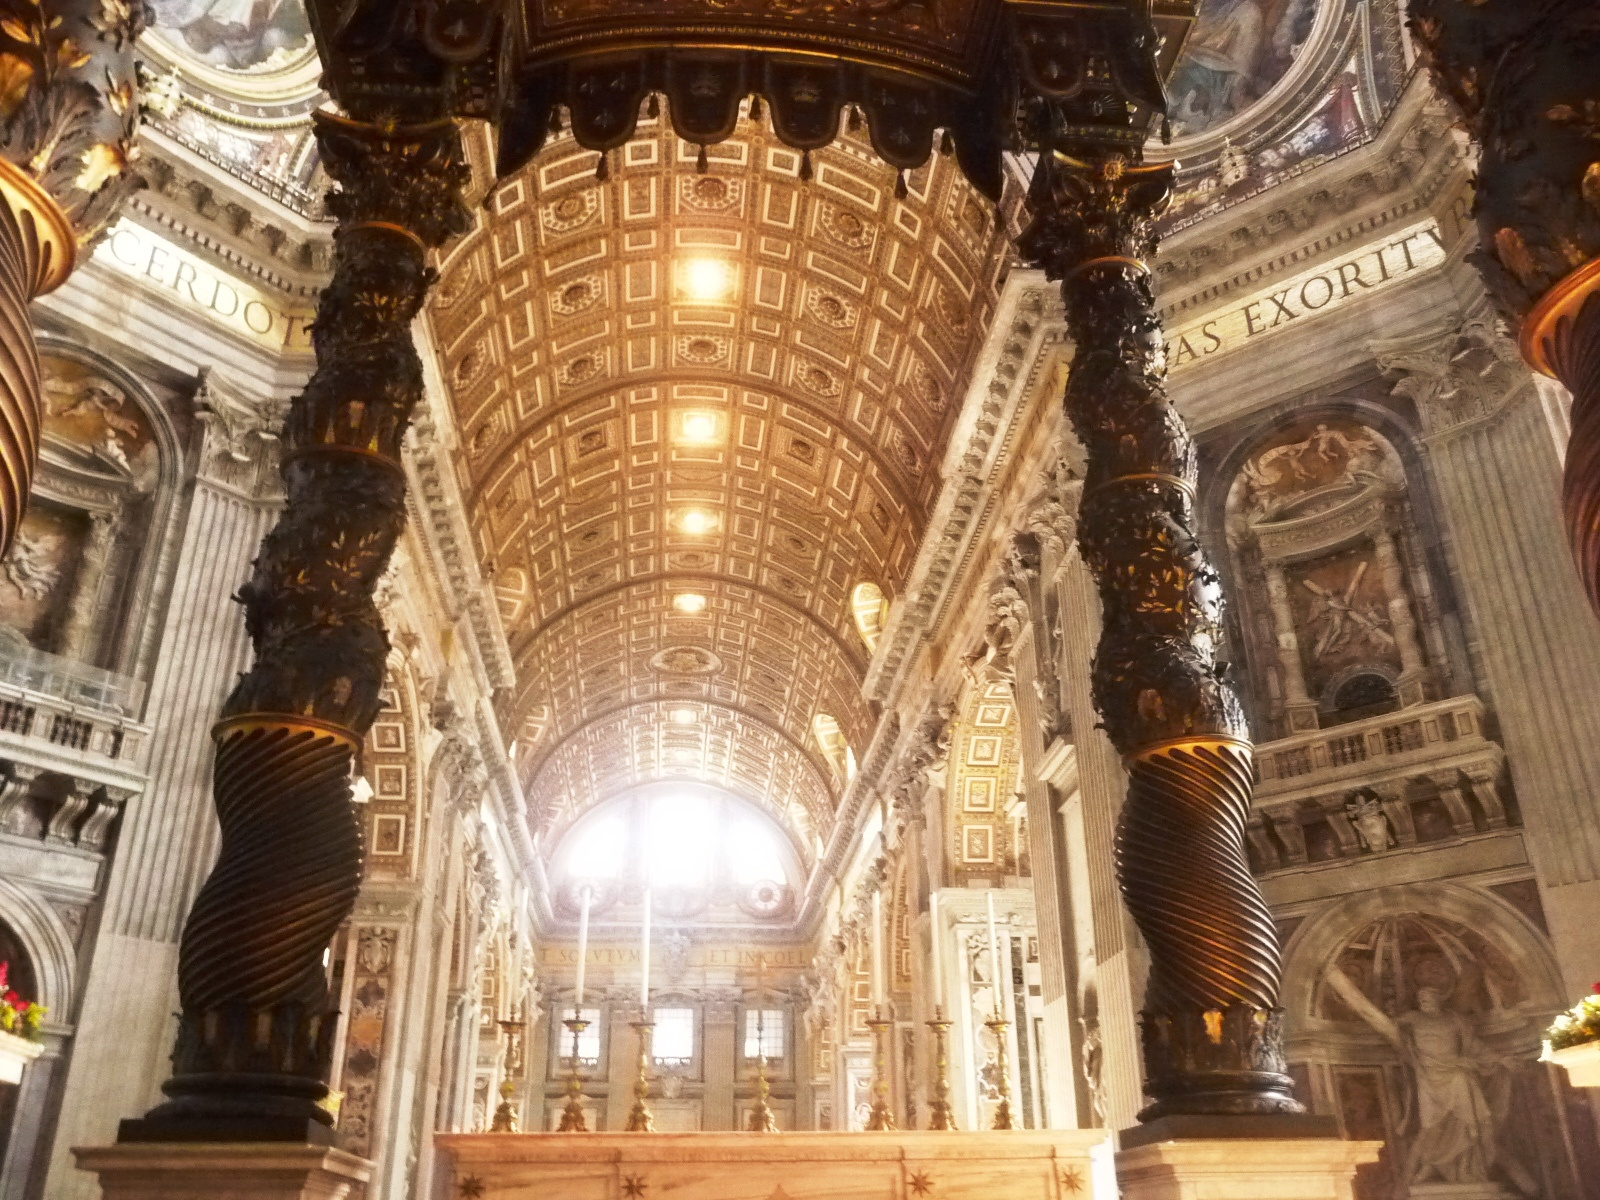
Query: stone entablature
[{"x": 1422, "y": 774}]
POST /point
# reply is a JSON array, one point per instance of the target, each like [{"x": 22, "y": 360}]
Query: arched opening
[
  {"x": 696, "y": 849},
  {"x": 22, "y": 979},
  {"x": 871, "y": 610},
  {"x": 1364, "y": 695},
  {"x": 830, "y": 739}
]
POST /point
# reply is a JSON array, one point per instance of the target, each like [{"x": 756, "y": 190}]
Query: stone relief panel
[
  {"x": 1334, "y": 595},
  {"x": 1423, "y": 1032},
  {"x": 37, "y": 576},
  {"x": 390, "y": 768},
  {"x": 92, "y": 424}
]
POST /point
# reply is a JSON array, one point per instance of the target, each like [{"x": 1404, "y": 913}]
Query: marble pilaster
[
  {"x": 1498, "y": 475},
  {"x": 168, "y": 835},
  {"x": 1114, "y": 965}
]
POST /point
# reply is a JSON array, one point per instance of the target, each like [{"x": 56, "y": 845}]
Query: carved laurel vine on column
[
  {"x": 250, "y": 970},
  {"x": 68, "y": 119},
  {"x": 1211, "y": 1025}
]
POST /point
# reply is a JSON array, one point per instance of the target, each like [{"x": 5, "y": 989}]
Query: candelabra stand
[
  {"x": 761, "y": 1118},
  {"x": 640, "y": 1118},
  {"x": 997, "y": 1025},
  {"x": 940, "y": 1114},
  {"x": 506, "y": 1119},
  {"x": 882, "y": 1117},
  {"x": 572, "y": 1118}
]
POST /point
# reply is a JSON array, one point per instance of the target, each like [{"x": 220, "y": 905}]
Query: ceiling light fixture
[
  {"x": 689, "y": 602},
  {"x": 698, "y": 427},
  {"x": 707, "y": 279},
  {"x": 696, "y": 522}
]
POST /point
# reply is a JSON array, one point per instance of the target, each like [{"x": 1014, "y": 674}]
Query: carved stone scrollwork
[
  {"x": 1211, "y": 1023},
  {"x": 1523, "y": 80},
  {"x": 256, "y": 1030},
  {"x": 68, "y": 119}
]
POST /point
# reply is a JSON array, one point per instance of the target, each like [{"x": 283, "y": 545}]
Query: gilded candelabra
[
  {"x": 640, "y": 1118},
  {"x": 998, "y": 1026},
  {"x": 572, "y": 1118},
  {"x": 882, "y": 1117},
  {"x": 940, "y": 1113},
  {"x": 506, "y": 1119}
]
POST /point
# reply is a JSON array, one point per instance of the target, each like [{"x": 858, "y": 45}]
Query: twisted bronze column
[
  {"x": 254, "y": 1040},
  {"x": 1524, "y": 80},
  {"x": 68, "y": 118},
  {"x": 1211, "y": 1024}
]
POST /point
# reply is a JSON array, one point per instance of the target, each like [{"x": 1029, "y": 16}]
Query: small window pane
[
  {"x": 588, "y": 1040},
  {"x": 763, "y": 1033},
  {"x": 672, "y": 1043}
]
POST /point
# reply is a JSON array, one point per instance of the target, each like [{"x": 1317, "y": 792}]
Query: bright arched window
[
  {"x": 689, "y": 845},
  {"x": 830, "y": 740},
  {"x": 871, "y": 609}
]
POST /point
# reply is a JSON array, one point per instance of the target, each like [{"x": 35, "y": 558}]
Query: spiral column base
[
  {"x": 1211, "y": 1031},
  {"x": 255, "y": 1040}
]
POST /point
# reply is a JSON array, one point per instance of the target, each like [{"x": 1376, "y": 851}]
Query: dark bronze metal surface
[
  {"x": 255, "y": 1032},
  {"x": 68, "y": 117},
  {"x": 1211, "y": 1026},
  {"x": 1524, "y": 82}
]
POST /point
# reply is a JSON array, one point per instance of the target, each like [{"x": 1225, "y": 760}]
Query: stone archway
[{"x": 1416, "y": 1012}]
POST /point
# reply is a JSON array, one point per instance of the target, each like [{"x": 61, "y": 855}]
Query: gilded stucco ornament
[{"x": 68, "y": 118}]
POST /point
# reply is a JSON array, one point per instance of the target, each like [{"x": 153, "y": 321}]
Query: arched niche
[
  {"x": 79, "y": 578},
  {"x": 1414, "y": 1014},
  {"x": 1338, "y": 605}
]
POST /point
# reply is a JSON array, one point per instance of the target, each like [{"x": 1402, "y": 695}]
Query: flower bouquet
[
  {"x": 1573, "y": 1041},
  {"x": 19, "y": 1029}
]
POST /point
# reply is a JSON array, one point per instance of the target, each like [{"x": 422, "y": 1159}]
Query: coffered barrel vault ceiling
[{"x": 782, "y": 358}]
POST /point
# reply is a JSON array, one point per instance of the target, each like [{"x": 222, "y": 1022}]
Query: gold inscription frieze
[
  {"x": 1290, "y": 303},
  {"x": 264, "y": 318}
]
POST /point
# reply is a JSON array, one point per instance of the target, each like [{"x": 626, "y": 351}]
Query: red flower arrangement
[{"x": 18, "y": 1017}]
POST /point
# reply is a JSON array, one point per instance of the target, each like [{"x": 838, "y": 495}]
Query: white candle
[
  {"x": 994, "y": 954},
  {"x": 936, "y": 935},
  {"x": 877, "y": 949},
  {"x": 583, "y": 949},
  {"x": 644, "y": 961}
]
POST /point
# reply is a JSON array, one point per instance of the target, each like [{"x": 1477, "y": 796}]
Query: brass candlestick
[
  {"x": 940, "y": 1113},
  {"x": 1002, "y": 1115},
  {"x": 640, "y": 1118},
  {"x": 762, "y": 1119},
  {"x": 882, "y": 1117},
  {"x": 506, "y": 1119},
  {"x": 572, "y": 1118}
]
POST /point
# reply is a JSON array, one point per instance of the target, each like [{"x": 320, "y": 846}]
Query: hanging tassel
[
  {"x": 555, "y": 118},
  {"x": 900, "y": 185},
  {"x": 755, "y": 108},
  {"x": 652, "y": 107},
  {"x": 602, "y": 171},
  {"x": 805, "y": 166},
  {"x": 855, "y": 119},
  {"x": 947, "y": 144},
  {"x": 701, "y": 163}
]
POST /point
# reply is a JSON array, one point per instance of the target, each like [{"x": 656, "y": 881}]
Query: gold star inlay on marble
[
  {"x": 1072, "y": 1180},
  {"x": 470, "y": 1188},
  {"x": 920, "y": 1184},
  {"x": 634, "y": 1186}
]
